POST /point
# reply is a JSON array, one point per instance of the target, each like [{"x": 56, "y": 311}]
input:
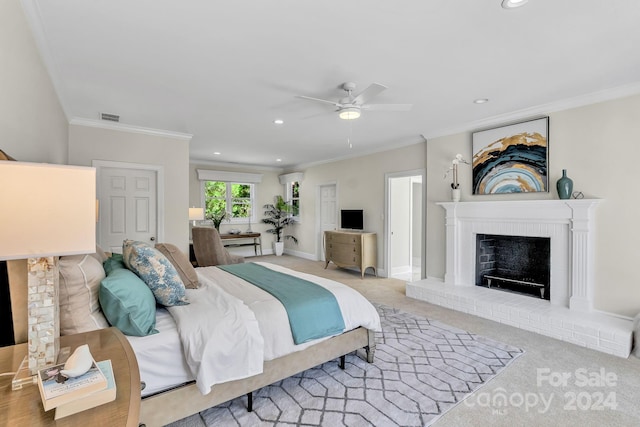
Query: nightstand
[{"x": 24, "y": 407}]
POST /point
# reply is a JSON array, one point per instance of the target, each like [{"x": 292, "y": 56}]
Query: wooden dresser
[{"x": 351, "y": 249}]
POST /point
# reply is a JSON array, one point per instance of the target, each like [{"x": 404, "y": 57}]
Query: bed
[
  {"x": 282, "y": 358},
  {"x": 171, "y": 391}
]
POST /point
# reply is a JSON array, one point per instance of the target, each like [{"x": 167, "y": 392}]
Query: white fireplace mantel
[{"x": 568, "y": 223}]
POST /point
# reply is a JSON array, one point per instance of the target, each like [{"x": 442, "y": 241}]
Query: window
[
  {"x": 237, "y": 199},
  {"x": 291, "y": 182},
  {"x": 293, "y": 196}
]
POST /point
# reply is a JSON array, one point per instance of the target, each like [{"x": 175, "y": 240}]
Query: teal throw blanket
[{"x": 313, "y": 311}]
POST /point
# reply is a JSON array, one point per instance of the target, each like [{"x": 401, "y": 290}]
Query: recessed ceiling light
[
  {"x": 216, "y": 153},
  {"x": 480, "y": 100},
  {"x": 278, "y": 121},
  {"x": 511, "y": 4},
  {"x": 278, "y": 160}
]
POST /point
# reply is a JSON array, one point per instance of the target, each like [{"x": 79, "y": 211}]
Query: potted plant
[
  {"x": 217, "y": 217},
  {"x": 455, "y": 185},
  {"x": 279, "y": 215}
]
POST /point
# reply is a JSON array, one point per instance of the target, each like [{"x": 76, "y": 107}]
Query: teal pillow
[
  {"x": 128, "y": 303},
  {"x": 114, "y": 262},
  {"x": 156, "y": 271}
]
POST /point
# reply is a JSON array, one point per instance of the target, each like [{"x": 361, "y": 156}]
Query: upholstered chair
[{"x": 209, "y": 250}]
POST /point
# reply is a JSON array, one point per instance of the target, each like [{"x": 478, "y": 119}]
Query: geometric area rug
[{"x": 422, "y": 369}]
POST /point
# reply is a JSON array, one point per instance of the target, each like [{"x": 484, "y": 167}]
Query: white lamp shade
[
  {"x": 47, "y": 210},
  {"x": 196, "y": 214}
]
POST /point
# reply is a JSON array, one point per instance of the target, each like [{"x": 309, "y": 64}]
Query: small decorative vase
[
  {"x": 564, "y": 186},
  {"x": 455, "y": 194}
]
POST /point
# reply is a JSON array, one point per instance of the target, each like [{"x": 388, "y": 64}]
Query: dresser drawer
[
  {"x": 343, "y": 238},
  {"x": 340, "y": 251},
  {"x": 343, "y": 259}
]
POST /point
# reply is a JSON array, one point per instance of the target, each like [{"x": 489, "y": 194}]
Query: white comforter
[{"x": 231, "y": 326}]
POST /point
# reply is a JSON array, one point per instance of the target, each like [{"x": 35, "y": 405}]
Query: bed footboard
[{"x": 175, "y": 404}]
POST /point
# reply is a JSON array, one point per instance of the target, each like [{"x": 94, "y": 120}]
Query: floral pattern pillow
[{"x": 156, "y": 271}]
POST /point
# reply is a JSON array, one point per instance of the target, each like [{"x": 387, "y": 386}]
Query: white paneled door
[
  {"x": 128, "y": 206},
  {"x": 328, "y": 213}
]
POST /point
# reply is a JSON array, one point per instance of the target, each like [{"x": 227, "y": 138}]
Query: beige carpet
[{"x": 552, "y": 384}]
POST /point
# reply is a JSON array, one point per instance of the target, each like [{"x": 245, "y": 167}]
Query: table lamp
[
  {"x": 196, "y": 214},
  {"x": 47, "y": 211}
]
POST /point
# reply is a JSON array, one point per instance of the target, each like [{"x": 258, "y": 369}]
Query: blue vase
[{"x": 564, "y": 186}]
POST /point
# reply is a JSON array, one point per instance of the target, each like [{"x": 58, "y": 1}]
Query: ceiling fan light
[
  {"x": 512, "y": 4},
  {"x": 349, "y": 113}
]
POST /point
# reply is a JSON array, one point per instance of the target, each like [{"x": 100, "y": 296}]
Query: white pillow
[{"x": 80, "y": 277}]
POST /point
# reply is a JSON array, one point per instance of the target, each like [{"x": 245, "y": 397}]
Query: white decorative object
[
  {"x": 455, "y": 185},
  {"x": 78, "y": 363}
]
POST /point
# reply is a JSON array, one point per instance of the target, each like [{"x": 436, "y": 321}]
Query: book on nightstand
[
  {"x": 56, "y": 389},
  {"x": 94, "y": 399}
]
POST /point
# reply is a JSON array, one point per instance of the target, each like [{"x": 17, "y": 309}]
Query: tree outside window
[
  {"x": 295, "y": 197},
  {"x": 236, "y": 199}
]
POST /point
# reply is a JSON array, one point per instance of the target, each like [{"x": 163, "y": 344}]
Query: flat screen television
[{"x": 352, "y": 219}]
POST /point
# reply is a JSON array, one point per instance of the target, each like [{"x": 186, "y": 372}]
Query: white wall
[
  {"x": 598, "y": 145},
  {"x": 33, "y": 127},
  {"x": 91, "y": 143},
  {"x": 361, "y": 185}
]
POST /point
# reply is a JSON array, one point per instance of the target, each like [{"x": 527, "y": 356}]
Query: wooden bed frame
[{"x": 180, "y": 402}]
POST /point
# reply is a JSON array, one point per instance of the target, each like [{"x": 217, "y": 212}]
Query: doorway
[
  {"x": 327, "y": 213},
  {"x": 404, "y": 225},
  {"x": 129, "y": 195}
]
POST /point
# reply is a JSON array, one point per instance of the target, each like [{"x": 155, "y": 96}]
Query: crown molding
[
  {"x": 541, "y": 110},
  {"x": 130, "y": 128},
  {"x": 233, "y": 165}
]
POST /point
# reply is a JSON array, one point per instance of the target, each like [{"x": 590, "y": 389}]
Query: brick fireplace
[
  {"x": 568, "y": 314},
  {"x": 514, "y": 264}
]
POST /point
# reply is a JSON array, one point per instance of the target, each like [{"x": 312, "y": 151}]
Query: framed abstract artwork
[{"x": 512, "y": 159}]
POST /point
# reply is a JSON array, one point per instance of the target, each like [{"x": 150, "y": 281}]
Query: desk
[
  {"x": 24, "y": 407},
  {"x": 257, "y": 240}
]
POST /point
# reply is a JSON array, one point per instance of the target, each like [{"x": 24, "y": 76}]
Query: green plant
[
  {"x": 279, "y": 215},
  {"x": 217, "y": 217}
]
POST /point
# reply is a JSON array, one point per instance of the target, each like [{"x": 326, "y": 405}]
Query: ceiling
[{"x": 223, "y": 71}]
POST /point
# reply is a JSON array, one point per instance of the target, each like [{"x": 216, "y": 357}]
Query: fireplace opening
[{"x": 518, "y": 264}]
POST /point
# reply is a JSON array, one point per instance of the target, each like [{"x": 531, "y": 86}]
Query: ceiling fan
[{"x": 350, "y": 107}]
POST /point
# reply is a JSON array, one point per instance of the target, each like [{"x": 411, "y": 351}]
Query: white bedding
[
  {"x": 231, "y": 326},
  {"x": 272, "y": 317},
  {"x": 160, "y": 357}
]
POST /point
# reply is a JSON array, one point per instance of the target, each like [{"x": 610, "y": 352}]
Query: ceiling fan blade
[
  {"x": 326, "y": 101},
  {"x": 368, "y": 94},
  {"x": 387, "y": 107}
]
